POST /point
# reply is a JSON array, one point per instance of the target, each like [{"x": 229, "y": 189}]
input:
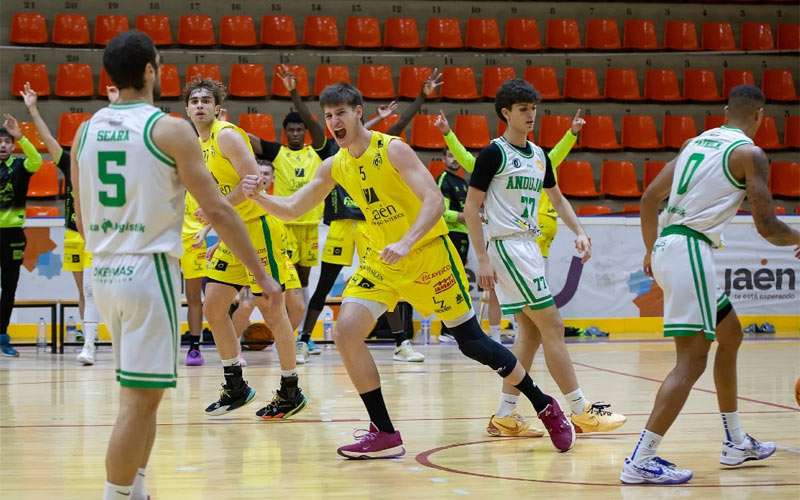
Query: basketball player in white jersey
[
  {"x": 131, "y": 163},
  {"x": 705, "y": 184},
  {"x": 508, "y": 180}
]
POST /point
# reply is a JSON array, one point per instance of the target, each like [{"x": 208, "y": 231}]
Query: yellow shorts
[
  {"x": 292, "y": 278},
  {"x": 344, "y": 237},
  {"x": 76, "y": 257},
  {"x": 431, "y": 278},
  {"x": 265, "y": 235},
  {"x": 548, "y": 226},
  {"x": 193, "y": 260},
  {"x": 305, "y": 251}
]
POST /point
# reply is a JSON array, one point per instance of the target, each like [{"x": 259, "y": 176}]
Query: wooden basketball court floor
[{"x": 55, "y": 419}]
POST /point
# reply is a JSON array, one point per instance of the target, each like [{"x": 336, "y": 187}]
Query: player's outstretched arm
[
  {"x": 176, "y": 138},
  {"x": 303, "y": 200},
  {"x": 752, "y": 161},
  {"x": 582, "y": 242},
  {"x": 31, "y": 99}
]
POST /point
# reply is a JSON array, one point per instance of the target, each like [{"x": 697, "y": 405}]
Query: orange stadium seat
[
  {"x": 677, "y": 129},
  {"x": 211, "y": 71},
  {"x": 472, "y": 131},
  {"x": 278, "y": 31},
  {"x": 327, "y": 74},
  {"x": 44, "y": 183},
  {"x": 785, "y": 178},
  {"x": 713, "y": 121},
  {"x": 28, "y": 129},
  {"x": 424, "y": 133},
  {"x": 103, "y": 82},
  {"x": 170, "y": 82},
  {"x": 639, "y": 34},
  {"x": 320, "y": 32},
  {"x": 767, "y": 135},
  {"x": 592, "y": 210},
  {"x": 581, "y": 84},
  {"x": 563, "y": 34},
  {"x": 618, "y": 179},
  {"x": 602, "y": 34},
  {"x": 622, "y": 84},
  {"x": 401, "y": 33},
  {"x": 412, "y": 78},
  {"x": 791, "y": 131},
  {"x": 237, "y": 31},
  {"x": 74, "y": 80},
  {"x": 385, "y": 125},
  {"x": 459, "y": 83},
  {"x": 544, "y": 80},
  {"x": 250, "y": 80},
  {"x": 757, "y": 36},
  {"x": 436, "y": 167},
  {"x": 443, "y": 33},
  {"x": 522, "y": 33},
  {"x": 700, "y": 85},
  {"x": 680, "y": 35},
  {"x": 493, "y": 77},
  {"x": 70, "y": 29},
  {"x": 778, "y": 85},
  {"x": 718, "y": 37},
  {"x": 483, "y": 34},
  {"x": 107, "y": 27},
  {"x": 39, "y": 211},
  {"x": 259, "y": 124},
  {"x": 363, "y": 32},
  {"x": 599, "y": 133},
  {"x": 300, "y": 72},
  {"x": 630, "y": 208},
  {"x": 576, "y": 179},
  {"x": 661, "y": 85},
  {"x": 789, "y": 36},
  {"x": 651, "y": 170},
  {"x": 639, "y": 132},
  {"x": 733, "y": 77},
  {"x": 375, "y": 81},
  {"x": 68, "y": 124},
  {"x": 157, "y": 27},
  {"x": 34, "y": 73},
  {"x": 196, "y": 31},
  {"x": 552, "y": 129},
  {"x": 28, "y": 28}
]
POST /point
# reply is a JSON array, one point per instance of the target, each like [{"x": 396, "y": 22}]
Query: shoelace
[
  {"x": 756, "y": 442},
  {"x": 600, "y": 409},
  {"x": 663, "y": 462},
  {"x": 362, "y": 435}
]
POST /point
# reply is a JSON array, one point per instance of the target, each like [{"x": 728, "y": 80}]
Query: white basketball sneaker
[
  {"x": 654, "y": 470},
  {"x": 86, "y": 356},
  {"x": 749, "y": 449}
]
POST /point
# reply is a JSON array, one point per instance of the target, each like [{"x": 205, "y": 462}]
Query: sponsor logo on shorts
[
  {"x": 76, "y": 258},
  {"x": 337, "y": 251},
  {"x": 374, "y": 272},
  {"x": 426, "y": 277},
  {"x": 299, "y": 172},
  {"x": 441, "y": 305},
  {"x": 221, "y": 265},
  {"x": 109, "y": 274},
  {"x": 459, "y": 299},
  {"x": 444, "y": 285},
  {"x": 364, "y": 283}
]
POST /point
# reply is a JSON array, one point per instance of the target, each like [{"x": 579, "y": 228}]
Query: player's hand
[
  {"x": 441, "y": 123},
  {"x": 394, "y": 252},
  {"x": 647, "y": 266},
  {"x": 252, "y": 185},
  {"x": 222, "y": 115},
  {"x": 10, "y": 123},
  {"x": 200, "y": 237},
  {"x": 287, "y": 77},
  {"x": 211, "y": 250},
  {"x": 29, "y": 96},
  {"x": 584, "y": 247},
  {"x": 201, "y": 216},
  {"x": 486, "y": 275},
  {"x": 113, "y": 93},
  {"x": 433, "y": 82},
  {"x": 386, "y": 110},
  {"x": 577, "y": 122},
  {"x": 270, "y": 287}
]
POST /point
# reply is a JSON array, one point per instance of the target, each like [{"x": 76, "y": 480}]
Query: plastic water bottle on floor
[
  {"x": 425, "y": 330},
  {"x": 327, "y": 324},
  {"x": 72, "y": 330},
  {"x": 41, "y": 336}
]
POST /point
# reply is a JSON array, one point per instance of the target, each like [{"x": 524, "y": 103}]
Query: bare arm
[
  {"x": 233, "y": 147},
  {"x": 30, "y": 98},
  {"x": 303, "y": 200},
  {"x": 752, "y": 161},
  {"x": 428, "y": 88},
  {"x": 582, "y": 243},
  {"x": 290, "y": 82},
  {"x": 384, "y": 112},
  {"x": 76, "y": 180},
  {"x": 472, "y": 216},
  {"x": 656, "y": 192}
]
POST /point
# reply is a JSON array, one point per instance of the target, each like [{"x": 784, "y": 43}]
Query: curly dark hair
[
  {"x": 216, "y": 88},
  {"x": 513, "y": 92},
  {"x": 126, "y": 56}
]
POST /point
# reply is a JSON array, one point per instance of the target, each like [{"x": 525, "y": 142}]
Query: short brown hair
[
  {"x": 340, "y": 93},
  {"x": 216, "y": 88}
]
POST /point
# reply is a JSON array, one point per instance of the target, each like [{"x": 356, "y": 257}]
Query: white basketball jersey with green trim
[
  {"x": 512, "y": 200},
  {"x": 705, "y": 196},
  {"x": 131, "y": 199}
]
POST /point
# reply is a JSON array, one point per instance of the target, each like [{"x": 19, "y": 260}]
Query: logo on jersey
[
  {"x": 378, "y": 160},
  {"x": 385, "y": 214},
  {"x": 299, "y": 172},
  {"x": 539, "y": 164},
  {"x": 516, "y": 163},
  {"x": 370, "y": 195},
  {"x": 426, "y": 277}
]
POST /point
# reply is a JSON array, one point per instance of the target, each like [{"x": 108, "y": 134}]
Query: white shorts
[
  {"x": 683, "y": 266},
  {"x": 520, "y": 270},
  {"x": 137, "y": 299}
]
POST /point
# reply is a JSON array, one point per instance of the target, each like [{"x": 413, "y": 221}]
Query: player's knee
[
  {"x": 692, "y": 365},
  {"x": 474, "y": 344}
]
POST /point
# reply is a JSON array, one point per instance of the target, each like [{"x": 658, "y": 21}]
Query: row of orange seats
[
  {"x": 29, "y": 28},
  {"x": 376, "y": 81}
]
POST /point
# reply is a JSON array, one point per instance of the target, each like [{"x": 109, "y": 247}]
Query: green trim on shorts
[
  {"x": 682, "y": 332},
  {"x": 515, "y": 274},
  {"x": 273, "y": 265},
  {"x": 685, "y": 231},
  {"x": 165, "y": 283},
  {"x": 454, "y": 268},
  {"x": 174, "y": 313},
  {"x": 723, "y": 301},
  {"x": 128, "y": 374},
  {"x": 543, "y": 304},
  {"x": 513, "y": 308},
  {"x": 138, "y": 384},
  {"x": 710, "y": 316}
]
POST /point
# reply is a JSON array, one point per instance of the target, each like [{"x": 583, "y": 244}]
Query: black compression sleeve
[
  {"x": 486, "y": 166},
  {"x": 549, "y": 177},
  {"x": 269, "y": 150}
]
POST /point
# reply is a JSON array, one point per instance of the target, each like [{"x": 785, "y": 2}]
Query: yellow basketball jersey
[
  {"x": 224, "y": 172},
  {"x": 191, "y": 225},
  {"x": 293, "y": 170},
  {"x": 389, "y": 205}
]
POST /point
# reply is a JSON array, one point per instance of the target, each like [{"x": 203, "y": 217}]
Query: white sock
[
  {"x": 230, "y": 362},
  {"x": 508, "y": 403},
  {"x": 732, "y": 427},
  {"x": 646, "y": 447},
  {"x": 289, "y": 373},
  {"x": 139, "y": 491},
  {"x": 116, "y": 492},
  {"x": 89, "y": 333},
  {"x": 576, "y": 401},
  {"x": 494, "y": 332}
]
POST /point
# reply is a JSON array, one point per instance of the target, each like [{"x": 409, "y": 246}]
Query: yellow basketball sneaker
[
  {"x": 597, "y": 417},
  {"x": 513, "y": 425}
]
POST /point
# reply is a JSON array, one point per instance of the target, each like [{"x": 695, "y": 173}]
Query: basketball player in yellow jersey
[
  {"x": 410, "y": 258},
  {"x": 229, "y": 157}
]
